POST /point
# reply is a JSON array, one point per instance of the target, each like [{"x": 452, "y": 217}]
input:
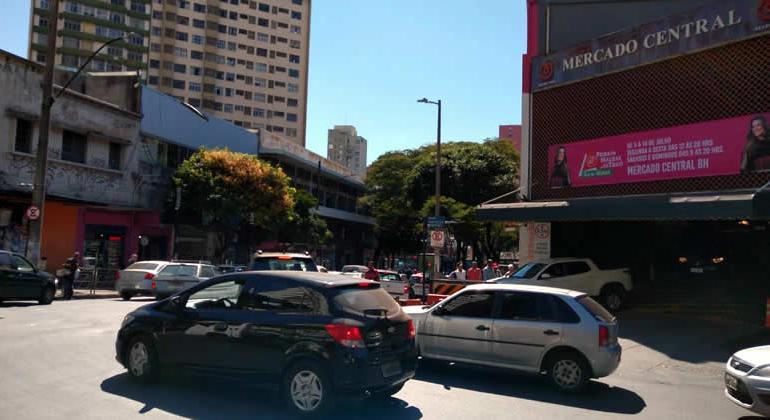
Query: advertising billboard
[{"x": 712, "y": 148}]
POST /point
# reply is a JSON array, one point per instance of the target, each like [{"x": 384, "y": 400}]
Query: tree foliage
[
  {"x": 231, "y": 191},
  {"x": 304, "y": 226},
  {"x": 401, "y": 187}
]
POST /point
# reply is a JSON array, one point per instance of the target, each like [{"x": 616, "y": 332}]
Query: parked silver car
[
  {"x": 160, "y": 278},
  {"x": 561, "y": 333}
]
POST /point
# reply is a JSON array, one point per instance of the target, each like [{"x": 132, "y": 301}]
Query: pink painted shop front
[{"x": 713, "y": 148}]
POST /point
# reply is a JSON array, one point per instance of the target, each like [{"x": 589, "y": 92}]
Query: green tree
[
  {"x": 228, "y": 192},
  {"x": 304, "y": 226}
]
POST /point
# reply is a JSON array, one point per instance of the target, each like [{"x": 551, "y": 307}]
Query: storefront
[{"x": 649, "y": 148}]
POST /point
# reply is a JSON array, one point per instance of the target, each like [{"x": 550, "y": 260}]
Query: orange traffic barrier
[
  {"x": 447, "y": 289},
  {"x": 767, "y": 315},
  {"x": 410, "y": 302},
  {"x": 434, "y": 299}
]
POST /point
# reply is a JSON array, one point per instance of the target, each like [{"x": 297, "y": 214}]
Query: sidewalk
[{"x": 86, "y": 294}]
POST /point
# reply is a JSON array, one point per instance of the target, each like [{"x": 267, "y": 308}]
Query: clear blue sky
[{"x": 371, "y": 60}]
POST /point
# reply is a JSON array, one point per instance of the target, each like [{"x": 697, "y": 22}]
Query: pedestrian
[
  {"x": 72, "y": 267},
  {"x": 459, "y": 273},
  {"x": 473, "y": 273},
  {"x": 132, "y": 259},
  {"x": 511, "y": 270},
  {"x": 371, "y": 273},
  {"x": 489, "y": 271}
]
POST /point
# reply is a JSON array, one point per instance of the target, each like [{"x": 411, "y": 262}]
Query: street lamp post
[
  {"x": 41, "y": 165},
  {"x": 437, "y": 210}
]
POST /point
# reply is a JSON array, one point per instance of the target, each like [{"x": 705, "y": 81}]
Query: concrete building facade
[
  {"x": 346, "y": 147},
  {"x": 85, "y": 25},
  {"x": 243, "y": 61}
]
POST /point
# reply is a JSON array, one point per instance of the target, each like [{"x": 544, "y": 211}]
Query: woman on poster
[
  {"x": 756, "y": 153},
  {"x": 560, "y": 173}
]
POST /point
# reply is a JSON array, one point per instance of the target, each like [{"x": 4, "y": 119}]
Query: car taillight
[
  {"x": 346, "y": 335},
  {"x": 406, "y": 289},
  {"x": 149, "y": 276},
  {"x": 412, "y": 331},
  {"x": 153, "y": 285},
  {"x": 365, "y": 284},
  {"x": 604, "y": 336}
]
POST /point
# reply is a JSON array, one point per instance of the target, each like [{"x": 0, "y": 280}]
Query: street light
[
  {"x": 41, "y": 166},
  {"x": 437, "y": 211}
]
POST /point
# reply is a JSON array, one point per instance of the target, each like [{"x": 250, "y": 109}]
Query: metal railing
[{"x": 99, "y": 279}]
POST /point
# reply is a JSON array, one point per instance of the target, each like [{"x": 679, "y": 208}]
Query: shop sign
[
  {"x": 707, "y": 26},
  {"x": 721, "y": 147},
  {"x": 534, "y": 242}
]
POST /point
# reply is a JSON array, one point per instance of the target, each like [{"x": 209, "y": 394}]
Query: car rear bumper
[
  {"x": 606, "y": 360},
  {"x": 359, "y": 375}
]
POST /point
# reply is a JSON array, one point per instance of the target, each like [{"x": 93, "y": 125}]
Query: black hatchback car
[
  {"x": 20, "y": 280},
  {"x": 311, "y": 336}
]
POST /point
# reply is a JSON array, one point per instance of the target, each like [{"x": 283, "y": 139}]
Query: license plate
[
  {"x": 731, "y": 382},
  {"x": 696, "y": 270},
  {"x": 391, "y": 369}
]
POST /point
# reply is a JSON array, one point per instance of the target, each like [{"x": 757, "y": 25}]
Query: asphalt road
[{"x": 58, "y": 362}]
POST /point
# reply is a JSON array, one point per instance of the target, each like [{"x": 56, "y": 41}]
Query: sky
[{"x": 371, "y": 60}]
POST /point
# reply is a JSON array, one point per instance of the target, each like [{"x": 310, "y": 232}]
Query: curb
[{"x": 85, "y": 295}]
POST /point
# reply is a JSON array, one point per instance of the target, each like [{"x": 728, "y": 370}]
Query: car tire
[
  {"x": 612, "y": 297},
  {"x": 142, "y": 360},
  {"x": 568, "y": 372},
  {"x": 125, "y": 295},
  {"x": 306, "y": 389},
  {"x": 47, "y": 295}
]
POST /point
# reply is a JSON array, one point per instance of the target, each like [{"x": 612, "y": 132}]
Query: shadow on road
[
  {"x": 204, "y": 399},
  {"x": 17, "y": 304},
  {"x": 597, "y": 396}
]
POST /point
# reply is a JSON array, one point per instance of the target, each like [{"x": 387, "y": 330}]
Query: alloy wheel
[
  {"x": 138, "y": 358},
  {"x": 306, "y": 391},
  {"x": 566, "y": 374}
]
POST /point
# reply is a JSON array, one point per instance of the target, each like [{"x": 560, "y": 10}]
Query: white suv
[{"x": 561, "y": 333}]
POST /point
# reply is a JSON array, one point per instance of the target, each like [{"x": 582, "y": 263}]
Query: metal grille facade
[{"x": 718, "y": 83}]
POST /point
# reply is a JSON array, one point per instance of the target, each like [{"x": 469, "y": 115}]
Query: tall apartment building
[
  {"x": 348, "y": 148},
  {"x": 85, "y": 25},
  {"x": 243, "y": 61}
]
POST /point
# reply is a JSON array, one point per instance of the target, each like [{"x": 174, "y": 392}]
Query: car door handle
[
  {"x": 220, "y": 327},
  {"x": 482, "y": 328},
  {"x": 550, "y": 332}
]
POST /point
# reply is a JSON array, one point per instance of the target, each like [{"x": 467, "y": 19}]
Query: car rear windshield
[
  {"x": 283, "y": 264},
  {"x": 595, "y": 309},
  {"x": 528, "y": 271},
  {"x": 143, "y": 266},
  {"x": 365, "y": 301}
]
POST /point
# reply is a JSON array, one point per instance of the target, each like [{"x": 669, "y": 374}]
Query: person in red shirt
[
  {"x": 473, "y": 273},
  {"x": 372, "y": 273}
]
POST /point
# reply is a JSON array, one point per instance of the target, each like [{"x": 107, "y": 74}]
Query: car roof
[
  {"x": 558, "y": 260},
  {"x": 311, "y": 278},
  {"x": 153, "y": 262},
  {"x": 387, "y": 271},
  {"x": 282, "y": 254},
  {"x": 524, "y": 288}
]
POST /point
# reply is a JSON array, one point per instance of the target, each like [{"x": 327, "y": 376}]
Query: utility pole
[
  {"x": 437, "y": 210},
  {"x": 41, "y": 166}
]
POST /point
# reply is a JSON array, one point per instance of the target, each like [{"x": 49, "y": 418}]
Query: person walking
[
  {"x": 371, "y": 273},
  {"x": 72, "y": 266},
  {"x": 510, "y": 271},
  {"x": 489, "y": 271},
  {"x": 459, "y": 273},
  {"x": 132, "y": 259},
  {"x": 473, "y": 273}
]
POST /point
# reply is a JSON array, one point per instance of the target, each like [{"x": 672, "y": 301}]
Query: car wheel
[
  {"x": 47, "y": 295},
  {"x": 307, "y": 389},
  {"x": 125, "y": 295},
  {"x": 142, "y": 360},
  {"x": 568, "y": 372},
  {"x": 612, "y": 297}
]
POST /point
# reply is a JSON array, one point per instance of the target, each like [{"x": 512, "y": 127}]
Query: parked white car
[
  {"x": 561, "y": 333},
  {"x": 580, "y": 274},
  {"x": 747, "y": 379},
  {"x": 160, "y": 278}
]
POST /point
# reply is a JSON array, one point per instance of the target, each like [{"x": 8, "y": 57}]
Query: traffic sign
[
  {"x": 437, "y": 238},
  {"x": 33, "y": 213},
  {"x": 436, "y": 222}
]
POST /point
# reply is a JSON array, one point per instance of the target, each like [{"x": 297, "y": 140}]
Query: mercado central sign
[{"x": 723, "y": 21}]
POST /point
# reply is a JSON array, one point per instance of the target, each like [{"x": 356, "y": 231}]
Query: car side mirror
[{"x": 545, "y": 276}]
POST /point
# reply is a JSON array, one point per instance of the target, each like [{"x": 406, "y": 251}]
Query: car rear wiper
[{"x": 382, "y": 313}]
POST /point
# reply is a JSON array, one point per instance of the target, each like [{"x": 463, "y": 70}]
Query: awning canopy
[{"x": 713, "y": 206}]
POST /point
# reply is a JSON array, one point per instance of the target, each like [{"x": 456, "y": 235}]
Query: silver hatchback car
[
  {"x": 561, "y": 333},
  {"x": 161, "y": 278}
]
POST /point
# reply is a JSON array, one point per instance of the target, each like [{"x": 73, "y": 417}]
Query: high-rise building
[
  {"x": 513, "y": 134},
  {"x": 86, "y": 25},
  {"x": 348, "y": 148},
  {"x": 244, "y": 61}
]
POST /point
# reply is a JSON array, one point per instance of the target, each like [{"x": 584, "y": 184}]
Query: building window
[
  {"x": 137, "y": 6},
  {"x": 263, "y": 22},
  {"x": 259, "y": 112},
  {"x": 200, "y": 8},
  {"x": 180, "y": 52},
  {"x": 263, "y": 37},
  {"x": 184, "y": 4},
  {"x": 291, "y": 102},
  {"x": 156, "y": 31},
  {"x": 152, "y": 80},
  {"x": 134, "y": 39},
  {"x": 297, "y": 2},
  {"x": 114, "y": 51},
  {"x": 194, "y": 87},
  {"x": 154, "y": 64},
  {"x": 232, "y": 31},
  {"x": 194, "y": 102},
  {"x": 294, "y": 59},
  {"x": 182, "y": 20},
  {"x": 264, "y": 7},
  {"x": 294, "y": 44},
  {"x": 197, "y": 39},
  {"x": 135, "y": 57},
  {"x": 291, "y": 117},
  {"x": 42, "y": 22},
  {"x": 44, "y": 4},
  {"x": 180, "y": 68},
  {"x": 23, "y": 136},
  {"x": 293, "y": 87},
  {"x": 296, "y": 15},
  {"x": 197, "y": 55},
  {"x": 228, "y": 108},
  {"x": 114, "y": 161},
  {"x": 259, "y": 97},
  {"x": 121, "y": 3},
  {"x": 294, "y": 73},
  {"x": 260, "y": 82},
  {"x": 71, "y": 26},
  {"x": 262, "y": 52},
  {"x": 199, "y": 23},
  {"x": 291, "y": 132},
  {"x": 195, "y": 71},
  {"x": 179, "y": 84},
  {"x": 295, "y": 29},
  {"x": 73, "y": 147},
  {"x": 182, "y": 36}
]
